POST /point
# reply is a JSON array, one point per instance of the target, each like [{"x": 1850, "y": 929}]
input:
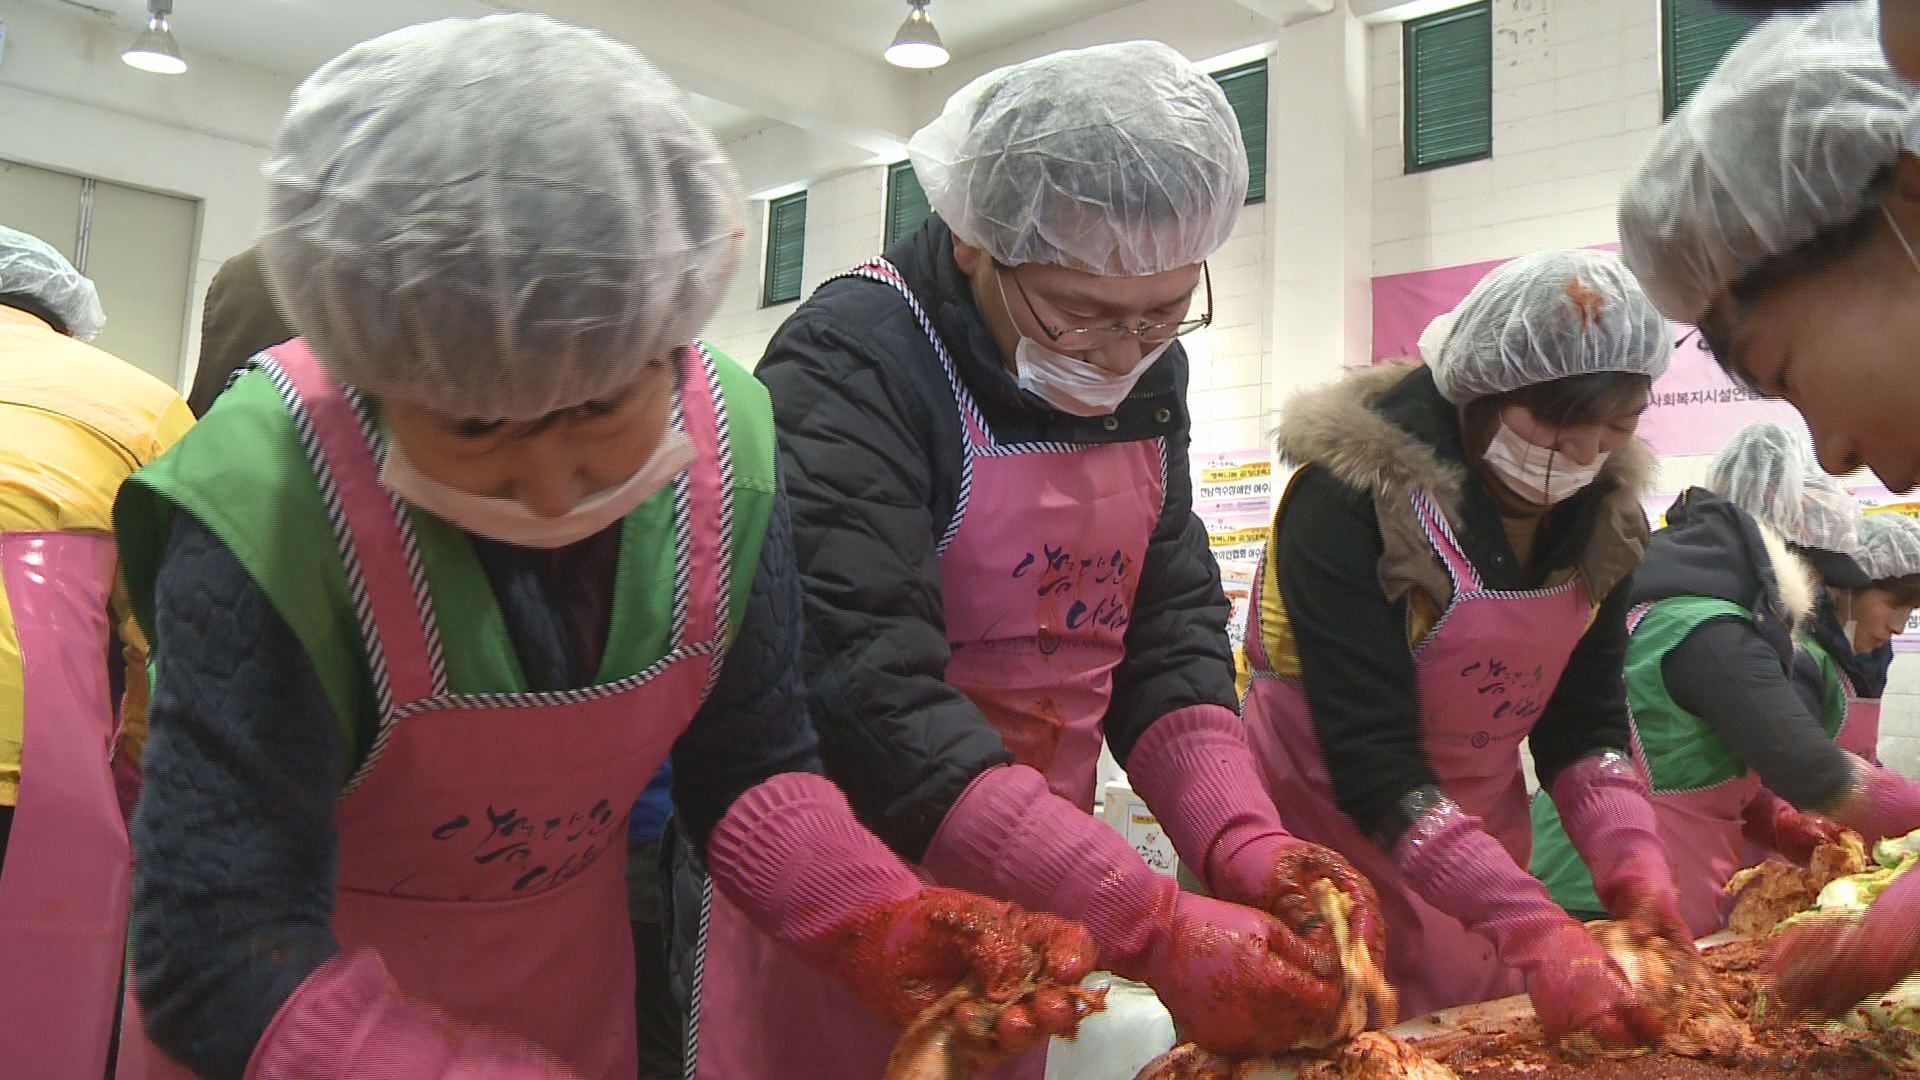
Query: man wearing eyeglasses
[{"x": 984, "y": 440}]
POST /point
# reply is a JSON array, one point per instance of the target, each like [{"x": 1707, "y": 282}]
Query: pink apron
[
  {"x": 483, "y": 842},
  {"x": 1702, "y": 831},
  {"x": 63, "y": 892},
  {"x": 1860, "y": 734},
  {"x": 1039, "y": 566},
  {"x": 1485, "y": 672}
]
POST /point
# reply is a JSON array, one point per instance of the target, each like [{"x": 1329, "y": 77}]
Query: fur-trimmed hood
[
  {"x": 1386, "y": 431},
  {"x": 1341, "y": 429}
]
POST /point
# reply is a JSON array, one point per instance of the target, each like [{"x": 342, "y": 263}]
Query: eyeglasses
[{"x": 1088, "y": 338}]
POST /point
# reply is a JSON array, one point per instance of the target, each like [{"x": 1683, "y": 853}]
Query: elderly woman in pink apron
[
  {"x": 1446, "y": 580},
  {"x": 74, "y": 422},
  {"x": 985, "y": 438},
  {"x": 438, "y": 585}
]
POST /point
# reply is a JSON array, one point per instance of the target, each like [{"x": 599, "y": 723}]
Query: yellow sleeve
[{"x": 174, "y": 421}]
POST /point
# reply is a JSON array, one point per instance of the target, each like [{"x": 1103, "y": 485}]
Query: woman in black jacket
[{"x": 1447, "y": 580}]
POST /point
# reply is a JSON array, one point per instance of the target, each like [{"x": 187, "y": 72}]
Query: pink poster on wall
[{"x": 1695, "y": 408}]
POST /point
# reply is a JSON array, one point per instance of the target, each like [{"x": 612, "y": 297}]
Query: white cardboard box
[{"x": 1127, "y": 813}]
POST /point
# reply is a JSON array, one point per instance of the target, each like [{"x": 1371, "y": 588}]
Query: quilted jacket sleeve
[
  {"x": 754, "y": 725},
  {"x": 862, "y": 478},
  {"x": 234, "y": 843}
]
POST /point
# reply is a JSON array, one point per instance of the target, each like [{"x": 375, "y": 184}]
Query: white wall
[
  {"x": 68, "y": 103},
  {"x": 1576, "y": 100}
]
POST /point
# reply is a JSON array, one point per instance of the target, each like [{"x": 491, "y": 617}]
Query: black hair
[
  {"x": 33, "y": 307},
  {"x": 1826, "y": 248},
  {"x": 1574, "y": 400},
  {"x": 1903, "y": 590}
]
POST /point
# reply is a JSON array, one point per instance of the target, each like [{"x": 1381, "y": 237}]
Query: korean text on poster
[{"x": 1233, "y": 495}]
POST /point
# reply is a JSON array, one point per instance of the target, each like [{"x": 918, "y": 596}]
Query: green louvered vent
[
  {"x": 1694, "y": 36},
  {"x": 786, "y": 249},
  {"x": 1449, "y": 87},
  {"x": 1246, "y": 90},
  {"x": 906, "y": 202}
]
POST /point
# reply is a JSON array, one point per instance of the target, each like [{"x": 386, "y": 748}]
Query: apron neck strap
[
  {"x": 384, "y": 572},
  {"x": 1440, "y": 534},
  {"x": 1255, "y": 641},
  {"x": 703, "y": 502},
  {"x": 884, "y": 272}
]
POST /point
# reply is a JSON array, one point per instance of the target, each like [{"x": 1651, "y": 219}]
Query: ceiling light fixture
[
  {"x": 155, "y": 50},
  {"x": 917, "y": 45}
]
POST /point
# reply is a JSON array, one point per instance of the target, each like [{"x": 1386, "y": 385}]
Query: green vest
[
  {"x": 243, "y": 474},
  {"x": 1833, "y": 685},
  {"x": 1683, "y": 753}
]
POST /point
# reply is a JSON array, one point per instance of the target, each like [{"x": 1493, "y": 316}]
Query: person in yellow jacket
[{"x": 74, "y": 423}]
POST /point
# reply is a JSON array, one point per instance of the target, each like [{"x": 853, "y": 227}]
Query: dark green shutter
[
  {"x": 786, "y": 249},
  {"x": 906, "y": 201},
  {"x": 1694, "y": 36},
  {"x": 1246, "y": 90},
  {"x": 1449, "y": 77}
]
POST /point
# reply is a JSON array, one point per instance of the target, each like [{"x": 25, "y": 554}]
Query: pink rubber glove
[
  {"x": 1607, "y": 811},
  {"x": 1830, "y": 966},
  {"x": 1454, "y": 864},
  {"x": 1883, "y": 803},
  {"x": 1773, "y": 823},
  {"x": 790, "y": 854},
  {"x": 1195, "y": 770},
  {"x": 348, "y": 1021},
  {"x": 1235, "y": 979}
]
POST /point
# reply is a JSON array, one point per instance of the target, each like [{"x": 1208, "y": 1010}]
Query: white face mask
[
  {"x": 1075, "y": 385},
  {"x": 1537, "y": 473},
  {"x": 512, "y": 522},
  {"x": 1851, "y": 633}
]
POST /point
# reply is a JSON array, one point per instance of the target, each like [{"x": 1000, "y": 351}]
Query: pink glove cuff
[
  {"x": 1884, "y": 804},
  {"x": 325, "y": 1020},
  {"x": 1453, "y": 863},
  {"x": 1010, "y": 836},
  {"x": 1195, "y": 769},
  {"x": 794, "y": 859},
  {"x": 1607, "y": 810},
  {"x": 348, "y": 1021}
]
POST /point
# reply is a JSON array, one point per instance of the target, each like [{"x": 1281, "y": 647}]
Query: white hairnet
[
  {"x": 1543, "y": 317},
  {"x": 1120, "y": 160},
  {"x": 1434, "y": 337},
  {"x": 1771, "y": 473},
  {"x": 1783, "y": 140},
  {"x": 1889, "y": 545},
  {"x": 30, "y": 267},
  {"x": 497, "y": 217}
]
